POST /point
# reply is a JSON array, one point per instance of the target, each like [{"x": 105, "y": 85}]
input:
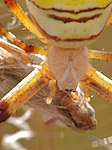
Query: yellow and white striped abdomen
[{"x": 70, "y": 24}]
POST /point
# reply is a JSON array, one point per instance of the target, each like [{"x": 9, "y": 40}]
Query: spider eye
[{"x": 68, "y": 90}]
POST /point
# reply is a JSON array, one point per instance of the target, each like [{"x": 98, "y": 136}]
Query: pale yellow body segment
[
  {"x": 70, "y": 24},
  {"x": 71, "y": 3}
]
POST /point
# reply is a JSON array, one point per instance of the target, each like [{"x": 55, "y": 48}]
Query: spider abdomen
[
  {"x": 68, "y": 66},
  {"x": 70, "y": 24}
]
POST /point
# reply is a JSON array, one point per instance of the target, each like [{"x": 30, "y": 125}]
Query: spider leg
[
  {"x": 99, "y": 83},
  {"x": 19, "y": 53},
  {"x": 21, "y": 93},
  {"x": 21, "y": 44},
  {"x": 85, "y": 90},
  {"x": 109, "y": 22},
  {"x": 53, "y": 88},
  {"x": 96, "y": 54},
  {"x": 16, "y": 9}
]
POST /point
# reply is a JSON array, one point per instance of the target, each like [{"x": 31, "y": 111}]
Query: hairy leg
[
  {"x": 16, "y": 9},
  {"x": 21, "y": 44},
  {"x": 99, "y": 83},
  {"x": 96, "y": 54},
  {"x": 109, "y": 22},
  {"x": 21, "y": 93}
]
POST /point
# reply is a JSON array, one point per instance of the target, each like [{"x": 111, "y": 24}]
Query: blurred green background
[{"x": 59, "y": 138}]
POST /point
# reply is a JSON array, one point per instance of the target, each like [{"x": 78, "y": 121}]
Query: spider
[
  {"x": 69, "y": 110},
  {"x": 68, "y": 28}
]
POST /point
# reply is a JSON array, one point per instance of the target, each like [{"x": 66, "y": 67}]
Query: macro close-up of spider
[{"x": 56, "y": 77}]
